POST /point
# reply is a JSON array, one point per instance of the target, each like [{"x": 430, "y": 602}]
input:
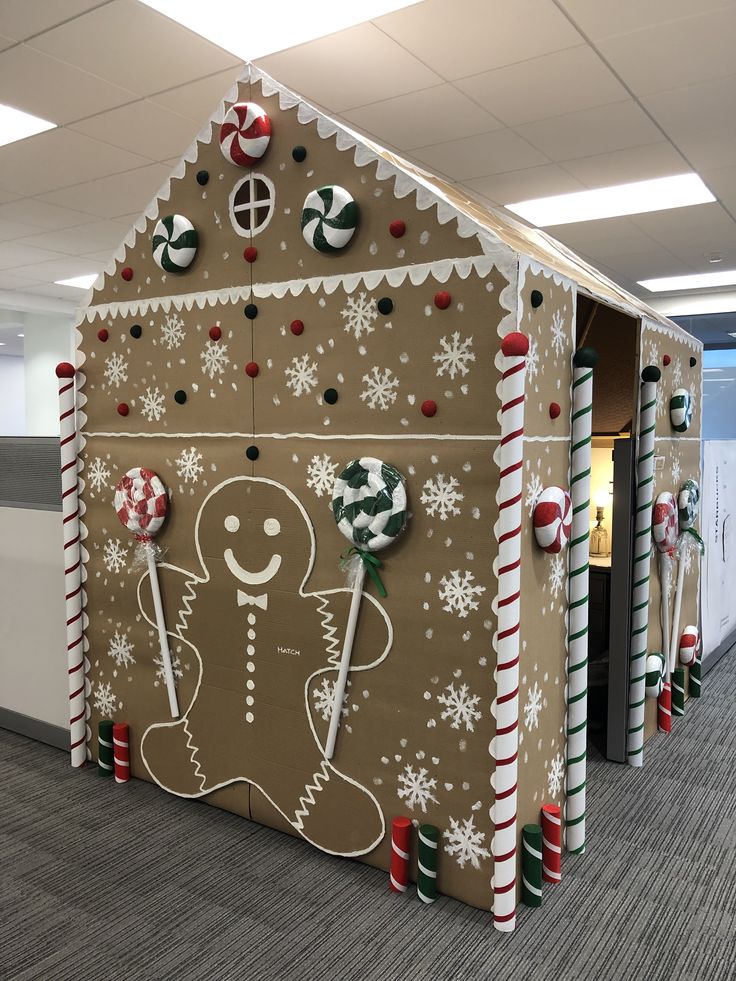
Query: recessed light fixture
[
  {"x": 714, "y": 257},
  {"x": 694, "y": 281},
  {"x": 612, "y": 202},
  {"x": 16, "y": 125},
  {"x": 21, "y": 335},
  {"x": 2, "y": 343},
  {"x": 280, "y": 24},
  {"x": 79, "y": 282}
]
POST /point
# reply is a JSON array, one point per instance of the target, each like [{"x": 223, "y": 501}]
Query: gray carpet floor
[{"x": 168, "y": 889}]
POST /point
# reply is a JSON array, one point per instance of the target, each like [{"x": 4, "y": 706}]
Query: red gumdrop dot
[
  {"x": 102, "y": 334},
  {"x": 515, "y": 344},
  {"x": 666, "y": 360},
  {"x": 397, "y": 228},
  {"x": 296, "y": 327},
  {"x": 442, "y": 300},
  {"x": 554, "y": 410},
  {"x": 429, "y": 408},
  {"x": 123, "y": 409},
  {"x": 251, "y": 369},
  {"x": 127, "y": 274},
  {"x": 215, "y": 333},
  {"x": 250, "y": 254}
]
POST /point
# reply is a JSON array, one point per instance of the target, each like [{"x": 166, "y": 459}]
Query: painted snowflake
[
  {"x": 116, "y": 370},
  {"x": 120, "y": 650},
  {"x": 532, "y": 707},
  {"x": 555, "y": 776},
  {"x": 172, "y": 333},
  {"x": 188, "y": 466},
  {"x": 676, "y": 471},
  {"x": 465, "y": 842},
  {"x": 359, "y": 315},
  {"x": 556, "y": 577},
  {"x": 460, "y": 706},
  {"x": 97, "y": 476},
  {"x": 323, "y": 698},
  {"x": 653, "y": 355},
  {"x": 441, "y": 496},
  {"x": 176, "y": 669},
  {"x": 533, "y": 489},
  {"x": 458, "y": 592},
  {"x": 416, "y": 788},
  {"x": 559, "y": 338},
  {"x": 321, "y": 474},
  {"x": 114, "y": 555},
  {"x": 381, "y": 387},
  {"x": 686, "y": 556},
  {"x": 676, "y": 373},
  {"x": 152, "y": 404},
  {"x": 455, "y": 356},
  {"x": 302, "y": 375},
  {"x": 532, "y": 359},
  {"x": 214, "y": 359},
  {"x": 105, "y": 699},
  {"x": 661, "y": 401}
]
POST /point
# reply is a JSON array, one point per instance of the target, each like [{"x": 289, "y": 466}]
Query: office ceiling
[{"x": 512, "y": 100}]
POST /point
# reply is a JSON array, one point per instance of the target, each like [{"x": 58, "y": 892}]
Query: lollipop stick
[
  {"x": 162, "y": 637},
  {"x": 347, "y": 649},
  {"x": 678, "y": 605},
  {"x": 664, "y": 700}
]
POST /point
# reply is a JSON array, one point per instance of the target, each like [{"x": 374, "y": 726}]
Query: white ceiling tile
[
  {"x": 521, "y": 185},
  {"x": 6, "y": 42},
  {"x": 10, "y": 231},
  {"x": 697, "y": 119},
  {"x": 647, "y": 265},
  {"x": 133, "y": 46},
  {"x": 351, "y": 68},
  {"x": 113, "y": 196},
  {"x": 103, "y": 256},
  {"x": 478, "y": 156},
  {"x": 53, "y": 89},
  {"x": 155, "y": 132},
  {"x": 590, "y": 131},
  {"x": 59, "y": 292},
  {"x": 81, "y": 240},
  {"x": 704, "y": 228},
  {"x": 14, "y": 256},
  {"x": 722, "y": 183},
  {"x": 610, "y": 236},
  {"x": 23, "y": 18},
  {"x": 198, "y": 100},
  {"x": 13, "y": 279},
  {"x": 64, "y": 267},
  {"x": 411, "y": 120},
  {"x": 639, "y": 163},
  {"x": 541, "y": 87},
  {"x": 40, "y": 214},
  {"x": 599, "y": 20},
  {"x": 471, "y": 36}
]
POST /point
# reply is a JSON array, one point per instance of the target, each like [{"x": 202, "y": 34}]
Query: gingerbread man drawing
[{"x": 251, "y": 717}]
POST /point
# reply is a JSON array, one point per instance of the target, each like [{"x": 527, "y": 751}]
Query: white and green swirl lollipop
[{"x": 369, "y": 504}]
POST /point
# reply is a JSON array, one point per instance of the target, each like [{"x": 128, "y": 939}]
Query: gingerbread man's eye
[
  {"x": 232, "y": 523},
  {"x": 272, "y": 526}
]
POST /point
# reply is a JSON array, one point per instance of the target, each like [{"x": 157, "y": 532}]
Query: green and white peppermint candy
[
  {"x": 329, "y": 218},
  {"x": 655, "y": 674},
  {"x": 687, "y": 504},
  {"x": 369, "y": 503},
  {"x": 681, "y": 410},
  {"x": 174, "y": 243}
]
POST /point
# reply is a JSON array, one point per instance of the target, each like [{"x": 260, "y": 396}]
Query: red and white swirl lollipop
[
  {"x": 245, "y": 133},
  {"x": 141, "y": 503},
  {"x": 552, "y": 519}
]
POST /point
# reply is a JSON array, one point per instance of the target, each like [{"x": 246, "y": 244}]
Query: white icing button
[
  {"x": 250, "y": 666},
  {"x": 251, "y": 649},
  {"x": 251, "y": 618},
  {"x": 249, "y": 716},
  {"x": 249, "y": 699},
  {"x": 232, "y": 523},
  {"x": 251, "y": 635},
  {"x": 272, "y": 526},
  {"x": 250, "y": 684}
]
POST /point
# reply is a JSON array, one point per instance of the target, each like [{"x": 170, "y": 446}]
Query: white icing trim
[
  {"x": 673, "y": 332},
  {"x": 326, "y": 437}
]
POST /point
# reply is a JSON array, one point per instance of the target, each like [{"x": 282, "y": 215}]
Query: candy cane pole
[
  {"x": 505, "y": 708},
  {"x": 664, "y": 701},
  {"x": 577, "y": 642},
  {"x": 678, "y": 602},
  {"x": 642, "y": 549},
  {"x": 65, "y": 373}
]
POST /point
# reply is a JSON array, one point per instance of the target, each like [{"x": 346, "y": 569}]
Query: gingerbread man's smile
[{"x": 271, "y": 527}]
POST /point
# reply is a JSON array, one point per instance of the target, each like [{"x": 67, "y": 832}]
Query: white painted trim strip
[{"x": 468, "y": 437}]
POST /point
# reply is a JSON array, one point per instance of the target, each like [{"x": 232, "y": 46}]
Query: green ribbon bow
[
  {"x": 371, "y": 562},
  {"x": 698, "y": 540}
]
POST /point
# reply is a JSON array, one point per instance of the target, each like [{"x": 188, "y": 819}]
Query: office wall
[{"x": 12, "y": 397}]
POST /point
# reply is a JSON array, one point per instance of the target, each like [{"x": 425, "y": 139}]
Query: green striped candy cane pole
[
  {"x": 429, "y": 837},
  {"x": 583, "y": 363},
  {"x": 104, "y": 739},
  {"x": 531, "y": 865},
  {"x": 642, "y": 560}
]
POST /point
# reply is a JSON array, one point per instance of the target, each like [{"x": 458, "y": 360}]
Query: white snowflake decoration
[
  {"x": 687, "y": 557},
  {"x": 556, "y": 575},
  {"x": 97, "y": 476},
  {"x": 114, "y": 555},
  {"x": 188, "y": 466},
  {"x": 116, "y": 370},
  {"x": 555, "y": 775},
  {"x": 323, "y": 698},
  {"x": 458, "y": 592},
  {"x": 120, "y": 650},
  {"x": 105, "y": 699},
  {"x": 465, "y": 842},
  {"x": 532, "y": 359},
  {"x": 661, "y": 401},
  {"x": 676, "y": 470},
  {"x": 380, "y": 390},
  {"x": 559, "y": 340},
  {"x": 302, "y": 375},
  {"x": 416, "y": 788},
  {"x": 321, "y": 474},
  {"x": 152, "y": 404},
  {"x": 533, "y": 489},
  {"x": 454, "y": 356},
  {"x": 359, "y": 315},
  {"x": 441, "y": 496},
  {"x": 460, "y": 706},
  {"x": 176, "y": 669},
  {"x": 214, "y": 359},
  {"x": 532, "y": 707},
  {"x": 172, "y": 333}
]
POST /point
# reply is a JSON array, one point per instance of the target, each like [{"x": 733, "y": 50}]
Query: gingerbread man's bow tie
[{"x": 245, "y": 600}]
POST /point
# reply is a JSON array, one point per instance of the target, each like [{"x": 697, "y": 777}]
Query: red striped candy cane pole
[
  {"x": 400, "y": 841},
  {"x": 65, "y": 372},
  {"x": 551, "y": 843},
  {"x": 505, "y": 708},
  {"x": 121, "y": 751}
]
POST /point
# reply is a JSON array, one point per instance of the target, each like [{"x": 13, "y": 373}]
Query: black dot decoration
[
  {"x": 136, "y": 330},
  {"x": 385, "y": 305},
  {"x": 203, "y": 177},
  {"x": 537, "y": 299},
  {"x": 299, "y": 153},
  {"x": 693, "y": 362},
  {"x": 180, "y": 396},
  {"x": 252, "y": 453},
  {"x": 251, "y": 311},
  {"x": 330, "y": 396}
]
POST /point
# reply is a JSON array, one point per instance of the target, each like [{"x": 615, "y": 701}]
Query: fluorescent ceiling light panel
[
  {"x": 80, "y": 282},
  {"x": 16, "y": 125},
  {"x": 695, "y": 281},
  {"x": 612, "y": 202},
  {"x": 252, "y": 33}
]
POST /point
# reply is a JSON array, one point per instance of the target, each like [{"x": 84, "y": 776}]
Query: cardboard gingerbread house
[{"x": 301, "y": 320}]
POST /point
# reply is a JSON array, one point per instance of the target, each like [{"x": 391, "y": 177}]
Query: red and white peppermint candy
[
  {"x": 141, "y": 502},
  {"x": 245, "y": 133},
  {"x": 689, "y": 643},
  {"x": 552, "y": 519},
  {"x": 665, "y": 528}
]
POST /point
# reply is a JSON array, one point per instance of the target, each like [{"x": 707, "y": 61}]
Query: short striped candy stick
[
  {"x": 104, "y": 739},
  {"x": 551, "y": 843},
  {"x": 694, "y": 682},
  {"x": 121, "y": 749},
  {"x": 429, "y": 837},
  {"x": 400, "y": 844},
  {"x": 505, "y": 708},
  {"x": 531, "y": 865},
  {"x": 678, "y": 691}
]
